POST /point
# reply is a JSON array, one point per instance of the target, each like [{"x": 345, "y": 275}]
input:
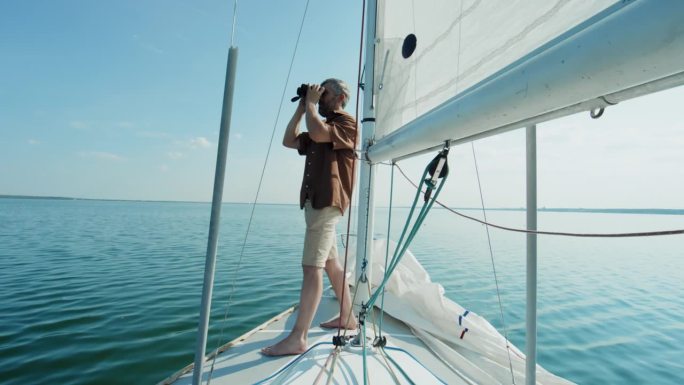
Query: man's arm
[
  {"x": 292, "y": 130},
  {"x": 318, "y": 131}
]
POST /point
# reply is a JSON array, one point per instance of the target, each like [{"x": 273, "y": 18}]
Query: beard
[{"x": 324, "y": 110}]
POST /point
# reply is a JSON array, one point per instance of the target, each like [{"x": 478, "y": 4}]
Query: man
[{"x": 325, "y": 194}]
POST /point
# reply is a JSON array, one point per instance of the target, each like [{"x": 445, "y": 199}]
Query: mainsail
[
  {"x": 454, "y": 69},
  {"x": 458, "y": 44}
]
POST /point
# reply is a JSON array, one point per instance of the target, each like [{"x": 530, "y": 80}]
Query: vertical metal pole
[
  {"x": 364, "y": 242},
  {"x": 210, "y": 263},
  {"x": 531, "y": 309}
]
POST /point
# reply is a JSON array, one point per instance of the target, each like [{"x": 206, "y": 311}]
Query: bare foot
[
  {"x": 289, "y": 346},
  {"x": 335, "y": 323}
]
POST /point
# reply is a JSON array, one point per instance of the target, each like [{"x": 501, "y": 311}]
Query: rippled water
[{"x": 108, "y": 292}]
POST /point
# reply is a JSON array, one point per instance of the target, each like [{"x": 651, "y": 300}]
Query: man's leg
[
  {"x": 336, "y": 275},
  {"x": 310, "y": 297}
]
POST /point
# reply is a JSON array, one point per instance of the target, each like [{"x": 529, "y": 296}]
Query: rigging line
[
  {"x": 397, "y": 349},
  {"x": 366, "y": 380},
  {"x": 371, "y": 315},
  {"x": 356, "y": 137},
  {"x": 427, "y": 205},
  {"x": 356, "y": 290},
  {"x": 337, "y": 349},
  {"x": 261, "y": 179},
  {"x": 402, "y": 371},
  {"x": 538, "y": 232},
  {"x": 491, "y": 255},
  {"x": 324, "y": 367},
  {"x": 291, "y": 364},
  {"x": 389, "y": 226},
  {"x": 368, "y": 214},
  {"x": 361, "y": 69},
  {"x": 400, "y": 243},
  {"x": 332, "y": 367},
  {"x": 389, "y": 366},
  {"x": 232, "y": 32}
]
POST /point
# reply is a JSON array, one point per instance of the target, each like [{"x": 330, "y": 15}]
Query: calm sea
[{"x": 107, "y": 292}]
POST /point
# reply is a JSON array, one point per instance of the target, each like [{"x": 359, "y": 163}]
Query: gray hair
[{"x": 339, "y": 87}]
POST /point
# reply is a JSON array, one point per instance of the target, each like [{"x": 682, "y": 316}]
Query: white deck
[{"x": 241, "y": 362}]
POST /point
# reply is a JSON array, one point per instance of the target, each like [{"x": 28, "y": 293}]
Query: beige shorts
[{"x": 320, "y": 240}]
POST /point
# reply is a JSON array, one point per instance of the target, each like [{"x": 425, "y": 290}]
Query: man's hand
[{"x": 313, "y": 94}]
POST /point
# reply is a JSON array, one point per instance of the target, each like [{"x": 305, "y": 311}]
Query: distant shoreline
[
  {"x": 593, "y": 210},
  {"x": 542, "y": 209},
  {"x": 89, "y": 199}
]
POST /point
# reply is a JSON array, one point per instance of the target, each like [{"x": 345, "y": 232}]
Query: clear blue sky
[{"x": 122, "y": 100}]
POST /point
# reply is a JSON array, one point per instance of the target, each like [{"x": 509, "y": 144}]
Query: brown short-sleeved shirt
[{"x": 329, "y": 167}]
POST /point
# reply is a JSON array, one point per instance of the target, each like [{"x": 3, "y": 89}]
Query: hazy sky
[{"x": 122, "y": 100}]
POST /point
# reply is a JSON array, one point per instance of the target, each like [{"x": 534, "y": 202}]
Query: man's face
[{"x": 326, "y": 105}]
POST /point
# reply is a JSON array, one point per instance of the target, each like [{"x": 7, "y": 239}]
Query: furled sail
[
  {"x": 479, "y": 65},
  {"x": 462, "y": 339}
]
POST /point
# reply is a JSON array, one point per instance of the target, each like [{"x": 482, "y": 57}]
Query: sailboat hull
[{"x": 241, "y": 362}]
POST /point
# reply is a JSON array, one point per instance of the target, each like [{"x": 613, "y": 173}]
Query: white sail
[
  {"x": 480, "y": 66},
  {"x": 467, "y": 342},
  {"x": 458, "y": 44}
]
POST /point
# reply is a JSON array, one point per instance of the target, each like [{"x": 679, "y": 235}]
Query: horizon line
[{"x": 544, "y": 208}]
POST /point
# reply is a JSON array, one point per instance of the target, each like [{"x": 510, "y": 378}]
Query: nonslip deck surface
[{"x": 242, "y": 363}]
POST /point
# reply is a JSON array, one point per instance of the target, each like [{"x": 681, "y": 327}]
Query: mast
[
  {"x": 366, "y": 209},
  {"x": 531, "y": 302},
  {"x": 210, "y": 263}
]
